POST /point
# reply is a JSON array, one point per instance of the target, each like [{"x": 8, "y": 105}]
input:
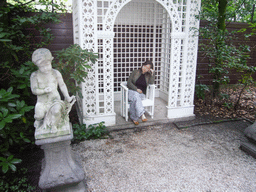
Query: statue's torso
[{"x": 48, "y": 80}]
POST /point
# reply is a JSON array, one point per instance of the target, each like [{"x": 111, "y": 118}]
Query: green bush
[
  {"x": 200, "y": 90},
  {"x": 219, "y": 47},
  {"x": 94, "y": 131},
  {"x": 17, "y": 181},
  {"x": 14, "y": 128},
  {"x": 16, "y": 115},
  {"x": 15, "y": 44},
  {"x": 9, "y": 163},
  {"x": 73, "y": 64}
]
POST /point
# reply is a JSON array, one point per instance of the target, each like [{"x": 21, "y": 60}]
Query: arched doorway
[{"x": 159, "y": 30}]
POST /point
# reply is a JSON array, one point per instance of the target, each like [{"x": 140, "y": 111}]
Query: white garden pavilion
[{"x": 127, "y": 32}]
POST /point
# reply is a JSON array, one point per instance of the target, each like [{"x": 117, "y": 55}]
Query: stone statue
[{"x": 51, "y": 113}]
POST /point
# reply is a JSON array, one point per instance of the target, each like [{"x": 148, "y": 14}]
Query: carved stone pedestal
[
  {"x": 61, "y": 171},
  {"x": 250, "y": 146}
]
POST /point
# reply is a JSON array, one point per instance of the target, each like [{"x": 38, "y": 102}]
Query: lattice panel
[
  {"x": 76, "y": 31},
  {"x": 165, "y": 53},
  {"x": 191, "y": 53},
  {"x": 137, "y": 38},
  {"x": 108, "y": 76},
  {"x": 88, "y": 24},
  {"x": 174, "y": 72},
  {"x": 105, "y": 77},
  {"x": 168, "y": 5},
  {"x": 89, "y": 29},
  {"x": 102, "y": 8},
  {"x": 181, "y": 75},
  {"x": 101, "y": 76},
  {"x": 182, "y": 9},
  {"x": 76, "y": 22}
]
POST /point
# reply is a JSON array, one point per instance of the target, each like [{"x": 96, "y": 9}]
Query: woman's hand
[{"x": 139, "y": 90}]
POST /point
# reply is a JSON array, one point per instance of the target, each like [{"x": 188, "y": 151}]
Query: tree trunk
[
  {"x": 222, "y": 14},
  {"x": 221, "y": 25}
]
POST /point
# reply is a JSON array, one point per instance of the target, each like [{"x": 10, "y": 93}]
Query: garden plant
[
  {"x": 223, "y": 55},
  {"x": 16, "y": 100}
]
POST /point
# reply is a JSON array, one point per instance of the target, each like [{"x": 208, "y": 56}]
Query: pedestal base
[
  {"x": 60, "y": 169},
  {"x": 77, "y": 187}
]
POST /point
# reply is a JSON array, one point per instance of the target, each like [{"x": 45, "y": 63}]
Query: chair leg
[
  {"x": 152, "y": 112},
  {"x": 126, "y": 113}
]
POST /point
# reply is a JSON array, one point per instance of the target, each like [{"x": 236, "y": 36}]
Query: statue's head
[{"x": 41, "y": 56}]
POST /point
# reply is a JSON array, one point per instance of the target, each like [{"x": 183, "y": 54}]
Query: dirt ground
[{"x": 224, "y": 106}]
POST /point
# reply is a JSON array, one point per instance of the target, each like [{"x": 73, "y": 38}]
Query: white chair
[{"x": 148, "y": 102}]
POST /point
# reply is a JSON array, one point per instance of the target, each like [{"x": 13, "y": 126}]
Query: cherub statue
[{"x": 51, "y": 113}]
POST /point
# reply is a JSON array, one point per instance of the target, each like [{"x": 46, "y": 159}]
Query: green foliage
[
  {"x": 9, "y": 163},
  {"x": 200, "y": 90},
  {"x": 94, "y": 131},
  {"x": 236, "y": 10},
  {"x": 252, "y": 26},
  {"x": 223, "y": 55},
  {"x": 228, "y": 105},
  {"x": 16, "y": 115},
  {"x": 14, "y": 128},
  {"x": 15, "y": 43},
  {"x": 21, "y": 79},
  {"x": 73, "y": 63},
  {"x": 219, "y": 53},
  {"x": 224, "y": 96},
  {"x": 16, "y": 182}
]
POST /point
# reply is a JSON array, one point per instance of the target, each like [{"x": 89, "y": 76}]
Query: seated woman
[{"x": 137, "y": 84}]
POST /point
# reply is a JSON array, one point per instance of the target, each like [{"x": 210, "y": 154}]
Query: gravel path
[{"x": 164, "y": 158}]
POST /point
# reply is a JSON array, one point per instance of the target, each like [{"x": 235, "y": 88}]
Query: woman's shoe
[
  {"x": 136, "y": 122},
  {"x": 143, "y": 118}
]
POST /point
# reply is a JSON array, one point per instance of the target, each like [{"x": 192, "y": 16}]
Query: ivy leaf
[
  {"x": 26, "y": 140},
  {"x": 21, "y": 70},
  {"x": 5, "y": 40},
  {"x": 12, "y": 104},
  {"x": 4, "y": 111},
  {"x": 22, "y": 86},
  {"x": 5, "y": 167},
  {"x": 14, "y": 116},
  {"x": 16, "y": 161},
  {"x": 13, "y": 167},
  {"x": 2, "y": 124}
]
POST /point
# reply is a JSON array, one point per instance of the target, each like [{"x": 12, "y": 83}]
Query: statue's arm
[
  {"x": 34, "y": 85},
  {"x": 63, "y": 86}
]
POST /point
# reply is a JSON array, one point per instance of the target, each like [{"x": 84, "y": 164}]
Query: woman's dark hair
[{"x": 148, "y": 62}]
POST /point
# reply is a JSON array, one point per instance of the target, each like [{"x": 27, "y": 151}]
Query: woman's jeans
[{"x": 136, "y": 107}]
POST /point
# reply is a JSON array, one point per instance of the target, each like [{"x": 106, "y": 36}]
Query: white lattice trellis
[{"x": 126, "y": 32}]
